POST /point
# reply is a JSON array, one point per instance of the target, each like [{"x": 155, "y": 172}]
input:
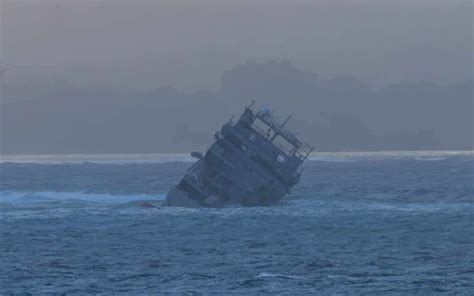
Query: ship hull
[
  {"x": 179, "y": 198},
  {"x": 252, "y": 162}
]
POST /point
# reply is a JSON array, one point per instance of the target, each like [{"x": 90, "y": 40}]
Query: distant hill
[{"x": 335, "y": 114}]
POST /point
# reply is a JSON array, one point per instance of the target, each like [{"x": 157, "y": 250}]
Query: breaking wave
[
  {"x": 430, "y": 158},
  {"x": 14, "y": 197},
  {"x": 278, "y": 275},
  {"x": 97, "y": 158}
]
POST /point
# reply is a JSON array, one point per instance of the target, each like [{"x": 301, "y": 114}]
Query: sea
[{"x": 391, "y": 223}]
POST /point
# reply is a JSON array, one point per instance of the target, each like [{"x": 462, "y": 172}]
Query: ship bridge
[
  {"x": 254, "y": 161},
  {"x": 269, "y": 126}
]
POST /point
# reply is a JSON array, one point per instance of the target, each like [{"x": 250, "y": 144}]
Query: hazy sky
[
  {"x": 188, "y": 44},
  {"x": 117, "y": 54}
]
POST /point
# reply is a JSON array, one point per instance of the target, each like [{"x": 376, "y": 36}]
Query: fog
[{"x": 161, "y": 76}]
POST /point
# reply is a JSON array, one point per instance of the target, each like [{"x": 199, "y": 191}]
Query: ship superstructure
[{"x": 254, "y": 161}]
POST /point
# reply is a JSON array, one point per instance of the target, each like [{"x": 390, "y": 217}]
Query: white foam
[
  {"x": 417, "y": 155},
  {"x": 45, "y": 196},
  {"x": 430, "y": 158},
  {"x": 277, "y": 275},
  {"x": 97, "y": 158},
  {"x": 332, "y": 158}
]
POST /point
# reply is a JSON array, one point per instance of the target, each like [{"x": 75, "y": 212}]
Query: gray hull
[{"x": 178, "y": 198}]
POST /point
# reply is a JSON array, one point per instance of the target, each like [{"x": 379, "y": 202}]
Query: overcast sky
[{"x": 189, "y": 44}]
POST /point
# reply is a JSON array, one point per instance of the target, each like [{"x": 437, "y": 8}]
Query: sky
[
  {"x": 188, "y": 44},
  {"x": 115, "y": 76}
]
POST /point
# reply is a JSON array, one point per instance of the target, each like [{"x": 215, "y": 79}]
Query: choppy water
[{"x": 356, "y": 224}]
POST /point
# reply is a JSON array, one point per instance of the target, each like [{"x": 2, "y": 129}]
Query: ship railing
[
  {"x": 295, "y": 144},
  {"x": 302, "y": 150},
  {"x": 281, "y": 147},
  {"x": 273, "y": 162},
  {"x": 270, "y": 119}
]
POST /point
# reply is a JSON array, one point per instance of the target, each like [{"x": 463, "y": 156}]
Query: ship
[{"x": 254, "y": 161}]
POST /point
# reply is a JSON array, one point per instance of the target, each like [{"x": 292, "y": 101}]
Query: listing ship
[{"x": 254, "y": 161}]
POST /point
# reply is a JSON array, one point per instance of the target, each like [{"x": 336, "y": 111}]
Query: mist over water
[{"x": 396, "y": 223}]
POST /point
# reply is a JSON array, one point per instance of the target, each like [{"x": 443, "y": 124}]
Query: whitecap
[
  {"x": 278, "y": 275},
  {"x": 430, "y": 158},
  {"x": 15, "y": 197},
  {"x": 97, "y": 158}
]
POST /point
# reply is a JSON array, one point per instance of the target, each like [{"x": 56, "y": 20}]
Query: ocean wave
[
  {"x": 332, "y": 158},
  {"x": 278, "y": 275},
  {"x": 388, "y": 155},
  {"x": 97, "y": 158},
  {"x": 430, "y": 158},
  {"x": 15, "y": 197},
  {"x": 300, "y": 206}
]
